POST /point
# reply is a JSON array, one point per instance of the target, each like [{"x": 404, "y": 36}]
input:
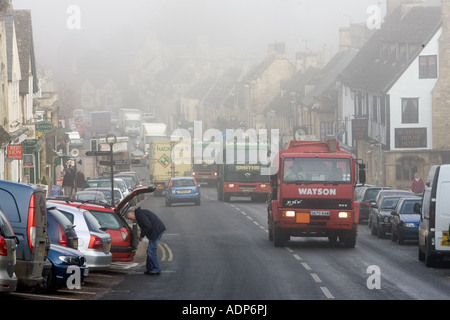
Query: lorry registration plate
[{"x": 320, "y": 213}]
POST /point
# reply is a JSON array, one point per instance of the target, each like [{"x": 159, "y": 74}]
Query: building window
[
  {"x": 428, "y": 67},
  {"x": 375, "y": 108},
  {"x": 331, "y": 128},
  {"x": 383, "y": 110},
  {"x": 410, "y": 110}
]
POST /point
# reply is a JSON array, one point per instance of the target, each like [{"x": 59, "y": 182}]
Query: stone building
[{"x": 394, "y": 94}]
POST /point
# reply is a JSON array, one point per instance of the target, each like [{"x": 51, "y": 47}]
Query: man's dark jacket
[{"x": 151, "y": 226}]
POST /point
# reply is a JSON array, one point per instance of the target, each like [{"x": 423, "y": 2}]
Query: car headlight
[
  {"x": 69, "y": 259},
  {"x": 386, "y": 219},
  {"x": 408, "y": 225}
]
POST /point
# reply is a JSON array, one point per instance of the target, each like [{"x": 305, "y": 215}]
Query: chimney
[
  {"x": 277, "y": 48},
  {"x": 6, "y": 6},
  {"x": 345, "y": 38},
  {"x": 392, "y": 5}
]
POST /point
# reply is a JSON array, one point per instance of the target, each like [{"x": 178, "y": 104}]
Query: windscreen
[{"x": 317, "y": 170}]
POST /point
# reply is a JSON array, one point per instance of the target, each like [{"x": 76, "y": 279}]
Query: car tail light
[
  {"x": 95, "y": 242},
  {"x": 3, "y": 247},
  {"x": 62, "y": 238},
  {"x": 124, "y": 233},
  {"x": 31, "y": 229}
]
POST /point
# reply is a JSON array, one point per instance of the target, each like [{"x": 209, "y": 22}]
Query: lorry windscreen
[{"x": 316, "y": 170}]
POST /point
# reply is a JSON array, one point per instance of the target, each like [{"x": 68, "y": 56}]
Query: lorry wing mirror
[{"x": 362, "y": 176}]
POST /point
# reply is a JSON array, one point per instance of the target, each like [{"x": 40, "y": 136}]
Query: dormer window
[{"x": 428, "y": 67}]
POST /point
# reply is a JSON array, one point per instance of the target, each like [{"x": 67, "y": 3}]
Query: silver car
[
  {"x": 8, "y": 244},
  {"x": 93, "y": 242},
  {"x": 91, "y": 195}
]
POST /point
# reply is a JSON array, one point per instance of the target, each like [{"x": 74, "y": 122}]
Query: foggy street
[
  {"x": 282, "y": 122},
  {"x": 221, "y": 252}
]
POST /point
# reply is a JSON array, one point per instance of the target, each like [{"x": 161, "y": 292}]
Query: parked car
[
  {"x": 59, "y": 228},
  {"x": 90, "y": 195},
  {"x": 102, "y": 182},
  {"x": 93, "y": 241},
  {"x": 404, "y": 221},
  {"x": 61, "y": 259},
  {"x": 182, "y": 189},
  {"x": 138, "y": 157},
  {"x": 380, "y": 213},
  {"x": 118, "y": 195},
  {"x": 24, "y": 205},
  {"x": 124, "y": 237},
  {"x": 129, "y": 181},
  {"x": 134, "y": 174},
  {"x": 8, "y": 245},
  {"x": 392, "y": 192},
  {"x": 434, "y": 233},
  {"x": 364, "y": 197}
]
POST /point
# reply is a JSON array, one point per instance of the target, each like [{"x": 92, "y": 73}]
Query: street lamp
[{"x": 111, "y": 139}]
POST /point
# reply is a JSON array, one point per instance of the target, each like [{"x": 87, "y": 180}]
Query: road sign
[
  {"x": 115, "y": 162},
  {"x": 105, "y": 163},
  {"x": 98, "y": 153}
]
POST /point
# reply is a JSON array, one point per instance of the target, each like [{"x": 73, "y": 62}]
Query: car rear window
[
  {"x": 183, "y": 183},
  {"x": 8, "y": 206},
  {"x": 92, "y": 222},
  {"x": 107, "y": 220},
  {"x": 61, "y": 219},
  {"x": 371, "y": 194},
  {"x": 5, "y": 227}
]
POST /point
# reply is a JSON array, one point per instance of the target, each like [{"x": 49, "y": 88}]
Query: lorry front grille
[{"x": 338, "y": 204}]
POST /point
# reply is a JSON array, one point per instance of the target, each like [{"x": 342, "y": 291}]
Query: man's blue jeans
[{"x": 152, "y": 258}]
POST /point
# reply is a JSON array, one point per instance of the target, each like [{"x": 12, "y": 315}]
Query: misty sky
[{"x": 245, "y": 25}]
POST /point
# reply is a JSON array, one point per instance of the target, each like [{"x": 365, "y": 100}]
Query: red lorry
[{"x": 312, "y": 193}]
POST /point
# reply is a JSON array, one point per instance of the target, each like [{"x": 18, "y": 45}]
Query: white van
[{"x": 434, "y": 239}]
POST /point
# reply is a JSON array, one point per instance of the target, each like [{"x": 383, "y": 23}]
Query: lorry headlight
[
  {"x": 344, "y": 214},
  {"x": 231, "y": 185},
  {"x": 289, "y": 213}
]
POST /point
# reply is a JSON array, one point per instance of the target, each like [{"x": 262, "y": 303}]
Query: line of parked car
[
  {"x": 424, "y": 218},
  {"x": 44, "y": 242}
]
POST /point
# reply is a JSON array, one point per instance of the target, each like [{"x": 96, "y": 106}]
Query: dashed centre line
[{"x": 316, "y": 278}]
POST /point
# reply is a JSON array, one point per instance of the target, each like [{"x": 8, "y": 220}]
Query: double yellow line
[{"x": 166, "y": 252}]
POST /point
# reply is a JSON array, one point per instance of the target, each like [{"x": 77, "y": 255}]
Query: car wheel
[
  {"x": 401, "y": 238},
  {"x": 394, "y": 237},
  {"x": 380, "y": 232},
  {"x": 373, "y": 229},
  {"x": 421, "y": 255},
  {"x": 49, "y": 284}
]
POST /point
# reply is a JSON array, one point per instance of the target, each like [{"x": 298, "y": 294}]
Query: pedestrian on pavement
[
  {"x": 152, "y": 228},
  {"x": 417, "y": 184},
  {"x": 69, "y": 182},
  {"x": 80, "y": 180}
]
